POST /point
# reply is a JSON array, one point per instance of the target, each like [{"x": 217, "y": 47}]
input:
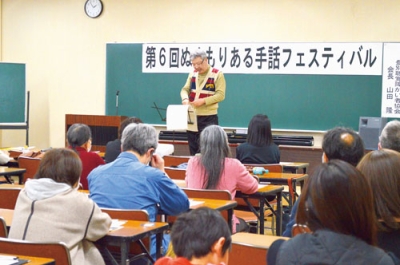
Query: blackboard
[
  {"x": 12, "y": 95},
  {"x": 293, "y": 102}
]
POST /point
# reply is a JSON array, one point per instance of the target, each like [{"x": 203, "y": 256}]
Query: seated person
[
  {"x": 259, "y": 147},
  {"x": 113, "y": 148},
  {"x": 79, "y": 139},
  {"x": 50, "y": 209},
  {"x": 4, "y": 157},
  {"x": 335, "y": 224},
  {"x": 338, "y": 143},
  {"x": 199, "y": 237},
  {"x": 382, "y": 169},
  {"x": 129, "y": 183},
  {"x": 214, "y": 169}
]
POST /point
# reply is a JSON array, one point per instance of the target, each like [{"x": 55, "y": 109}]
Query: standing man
[{"x": 204, "y": 88}]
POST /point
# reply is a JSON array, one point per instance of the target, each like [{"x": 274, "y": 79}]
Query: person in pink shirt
[{"x": 215, "y": 169}]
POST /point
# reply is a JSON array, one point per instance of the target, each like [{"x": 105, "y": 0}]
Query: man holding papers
[{"x": 204, "y": 88}]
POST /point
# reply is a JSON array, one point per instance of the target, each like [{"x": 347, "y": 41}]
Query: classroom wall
[{"x": 64, "y": 50}]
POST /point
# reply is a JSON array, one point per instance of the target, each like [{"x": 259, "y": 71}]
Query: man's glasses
[{"x": 198, "y": 64}]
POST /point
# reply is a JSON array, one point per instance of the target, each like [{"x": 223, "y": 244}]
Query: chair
[
  {"x": 174, "y": 161},
  {"x": 270, "y": 167},
  {"x": 141, "y": 247},
  {"x": 8, "y": 197},
  {"x": 175, "y": 173},
  {"x": 3, "y": 228},
  {"x": 31, "y": 165},
  {"x": 53, "y": 250}
]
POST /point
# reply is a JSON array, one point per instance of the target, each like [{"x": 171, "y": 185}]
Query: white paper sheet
[{"x": 177, "y": 117}]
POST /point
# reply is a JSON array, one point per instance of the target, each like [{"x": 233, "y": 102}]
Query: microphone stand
[{"x": 116, "y": 102}]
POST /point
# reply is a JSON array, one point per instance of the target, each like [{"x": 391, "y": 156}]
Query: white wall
[{"x": 64, "y": 50}]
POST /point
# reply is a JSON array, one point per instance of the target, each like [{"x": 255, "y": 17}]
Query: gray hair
[
  {"x": 214, "y": 149},
  {"x": 139, "y": 137},
  {"x": 390, "y": 136},
  {"x": 198, "y": 53}
]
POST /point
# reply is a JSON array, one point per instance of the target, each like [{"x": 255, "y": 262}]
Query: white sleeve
[{"x": 4, "y": 158}]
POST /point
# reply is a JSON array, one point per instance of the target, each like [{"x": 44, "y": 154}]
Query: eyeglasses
[{"x": 198, "y": 64}]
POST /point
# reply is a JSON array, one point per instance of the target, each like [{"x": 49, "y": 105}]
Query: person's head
[
  {"x": 199, "y": 233},
  {"x": 79, "y": 134},
  {"x": 344, "y": 144},
  {"x": 259, "y": 130},
  {"x": 199, "y": 61},
  {"x": 125, "y": 123},
  {"x": 338, "y": 197},
  {"x": 390, "y": 136},
  {"x": 382, "y": 169},
  {"x": 140, "y": 138},
  {"x": 61, "y": 165},
  {"x": 214, "y": 148}
]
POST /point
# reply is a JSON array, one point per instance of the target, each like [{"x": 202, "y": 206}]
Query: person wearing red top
[{"x": 79, "y": 137}]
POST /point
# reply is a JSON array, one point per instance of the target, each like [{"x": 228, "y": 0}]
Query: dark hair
[
  {"x": 344, "y": 144},
  {"x": 339, "y": 198},
  {"x": 194, "y": 233},
  {"x": 259, "y": 131},
  {"x": 390, "y": 136},
  {"x": 78, "y": 134},
  {"x": 382, "y": 169},
  {"x": 125, "y": 123},
  {"x": 61, "y": 165},
  {"x": 214, "y": 149}
]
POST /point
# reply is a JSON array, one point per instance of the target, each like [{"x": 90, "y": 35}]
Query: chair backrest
[
  {"x": 3, "y": 228},
  {"x": 127, "y": 214},
  {"x": 8, "y": 197},
  {"x": 175, "y": 173},
  {"x": 208, "y": 194},
  {"x": 270, "y": 167},
  {"x": 30, "y": 164},
  {"x": 174, "y": 161},
  {"x": 54, "y": 250}
]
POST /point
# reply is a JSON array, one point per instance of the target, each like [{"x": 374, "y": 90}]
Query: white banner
[
  {"x": 268, "y": 58},
  {"x": 391, "y": 81}
]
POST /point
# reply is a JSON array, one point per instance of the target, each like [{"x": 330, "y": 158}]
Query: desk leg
[
  {"x": 279, "y": 214},
  {"x": 125, "y": 253},
  {"x": 159, "y": 238},
  {"x": 20, "y": 178},
  {"x": 262, "y": 218},
  {"x": 230, "y": 215}
]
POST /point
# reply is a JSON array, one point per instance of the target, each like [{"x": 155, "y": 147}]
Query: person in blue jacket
[{"x": 130, "y": 183}]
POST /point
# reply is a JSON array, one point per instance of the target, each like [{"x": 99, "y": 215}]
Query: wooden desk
[
  {"x": 32, "y": 260},
  {"x": 7, "y": 172},
  {"x": 285, "y": 179},
  {"x": 131, "y": 232},
  {"x": 294, "y": 167},
  {"x": 219, "y": 205},
  {"x": 261, "y": 195}
]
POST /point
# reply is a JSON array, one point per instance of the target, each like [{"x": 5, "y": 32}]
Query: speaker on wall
[{"x": 370, "y": 129}]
